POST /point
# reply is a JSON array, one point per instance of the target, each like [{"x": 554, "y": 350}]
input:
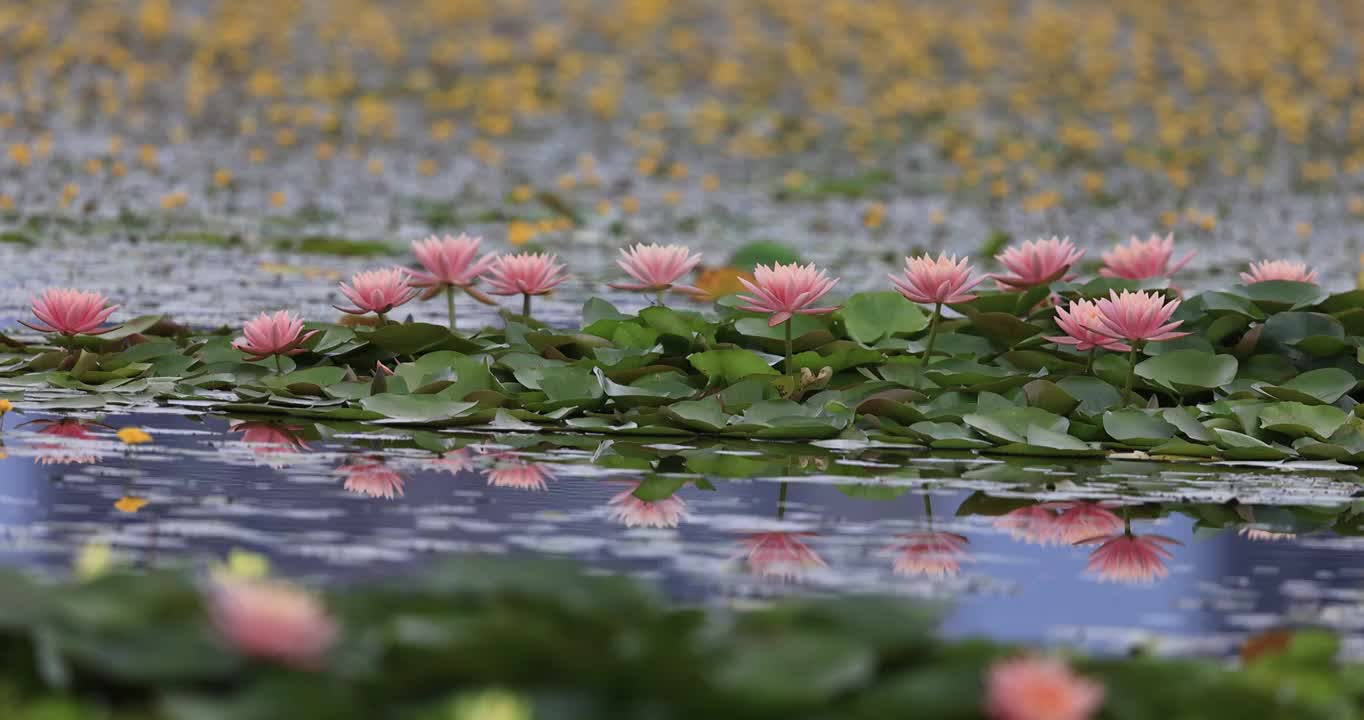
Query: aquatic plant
[
  {"x": 527, "y": 275},
  {"x": 785, "y": 291},
  {"x": 944, "y": 281},
  {"x": 451, "y": 263},
  {"x": 657, "y": 268},
  {"x": 1142, "y": 260},
  {"x": 275, "y": 335},
  {"x": 378, "y": 292}
]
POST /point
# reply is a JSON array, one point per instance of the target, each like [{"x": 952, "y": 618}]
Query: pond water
[{"x": 1112, "y": 555}]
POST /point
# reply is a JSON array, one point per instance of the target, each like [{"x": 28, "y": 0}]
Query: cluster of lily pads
[{"x": 1042, "y": 365}]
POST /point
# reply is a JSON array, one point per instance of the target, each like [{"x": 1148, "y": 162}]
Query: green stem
[
  {"x": 279, "y": 366},
  {"x": 1131, "y": 373},
  {"x": 383, "y": 319},
  {"x": 525, "y": 306},
  {"x": 789, "y": 367},
  {"x": 781, "y": 502},
  {"x": 450, "y": 305},
  {"x": 1089, "y": 364},
  {"x": 659, "y": 299},
  {"x": 932, "y": 333}
]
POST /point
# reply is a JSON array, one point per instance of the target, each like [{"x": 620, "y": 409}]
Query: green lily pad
[
  {"x": 1323, "y": 386},
  {"x": 726, "y": 367},
  {"x": 870, "y": 316},
  {"x": 1188, "y": 370},
  {"x": 1298, "y": 419}
]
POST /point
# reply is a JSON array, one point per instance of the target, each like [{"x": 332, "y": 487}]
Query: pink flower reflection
[
  {"x": 1033, "y": 524},
  {"x": 453, "y": 462},
  {"x": 510, "y": 472},
  {"x": 69, "y": 433},
  {"x": 932, "y": 554},
  {"x": 633, "y": 512},
  {"x": 1130, "y": 559},
  {"x": 1082, "y": 520},
  {"x": 372, "y": 478},
  {"x": 781, "y": 555},
  {"x": 271, "y": 442}
]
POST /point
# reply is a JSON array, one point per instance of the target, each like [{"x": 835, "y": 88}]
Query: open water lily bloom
[
  {"x": 656, "y": 268},
  {"x": 783, "y": 291},
  {"x": 449, "y": 262},
  {"x": 272, "y": 620},
  {"x": 277, "y": 334},
  {"x": 1138, "y": 260},
  {"x": 1034, "y": 688},
  {"x": 1278, "y": 270},
  {"x": 945, "y": 280},
  {"x": 377, "y": 291},
  {"x": 70, "y": 312},
  {"x": 1037, "y": 262}
]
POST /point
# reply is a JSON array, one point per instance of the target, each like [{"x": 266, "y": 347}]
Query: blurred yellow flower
[{"x": 133, "y": 436}]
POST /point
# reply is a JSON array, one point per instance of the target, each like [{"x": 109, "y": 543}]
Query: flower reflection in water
[
  {"x": 69, "y": 434},
  {"x": 508, "y": 471},
  {"x": 782, "y": 555},
  {"x": 1059, "y": 523},
  {"x": 453, "y": 462},
  {"x": 272, "y": 443},
  {"x": 1259, "y": 534},
  {"x": 1128, "y": 558},
  {"x": 633, "y": 512},
  {"x": 932, "y": 554},
  {"x": 371, "y": 477}
]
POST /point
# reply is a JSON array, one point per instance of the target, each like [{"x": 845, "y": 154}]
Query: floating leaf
[
  {"x": 726, "y": 367},
  {"x": 870, "y": 316},
  {"x": 1188, "y": 370}
]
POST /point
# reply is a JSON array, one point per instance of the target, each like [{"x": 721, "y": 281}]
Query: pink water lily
[
  {"x": 1030, "y": 688},
  {"x": 452, "y": 263},
  {"x": 941, "y": 281},
  {"x": 527, "y": 275},
  {"x": 656, "y": 268},
  {"x": 377, "y": 291},
  {"x": 944, "y": 281},
  {"x": 70, "y": 312},
  {"x": 1036, "y": 262},
  {"x": 508, "y": 471},
  {"x": 1137, "y": 318},
  {"x": 273, "y": 620},
  {"x": 1079, "y": 322},
  {"x": 1138, "y": 260},
  {"x": 783, "y": 291},
  {"x": 278, "y": 334},
  {"x": 1278, "y": 270}
]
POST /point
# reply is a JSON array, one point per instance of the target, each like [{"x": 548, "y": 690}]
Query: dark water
[{"x": 1016, "y": 546}]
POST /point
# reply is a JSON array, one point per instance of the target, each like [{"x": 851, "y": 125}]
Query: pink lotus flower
[
  {"x": 1030, "y": 688},
  {"x": 1139, "y": 260},
  {"x": 372, "y": 478},
  {"x": 278, "y": 334},
  {"x": 1137, "y": 317},
  {"x": 785, "y": 291},
  {"x": 525, "y": 274},
  {"x": 944, "y": 281},
  {"x": 377, "y": 291},
  {"x": 782, "y": 555},
  {"x": 449, "y": 262},
  {"x": 633, "y": 512},
  {"x": 272, "y": 620},
  {"x": 1037, "y": 262},
  {"x": 1127, "y": 558},
  {"x": 1278, "y": 270},
  {"x": 509, "y": 472},
  {"x": 934, "y": 554},
  {"x": 657, "y": 267},
  {"x": 71, "y": 312},
  {"x": 1078, "y": 323}
]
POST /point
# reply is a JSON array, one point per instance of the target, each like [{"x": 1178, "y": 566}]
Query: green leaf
[
  {"x": 1314, "y": 333},
  {"x": 416, "y": 408},
  {"x": 1012, "y": 425},
  {"x": 794, "y": 668},
  {"x": 1297, "y": 419},
  {"x": 1276, "y": 296},
  {"x": 414, "y": 338},
  {"x": 948, "y": 436},
  {"x": 597, "y": 309},
  {"x": 1189, "y": 370},
  {"x": 870, "y": 316},
  {"x": 1095, "y": 395},
  {"x": 1324, "y": 386},
  {"x": 726, "y": 367},
  {"x": 1049, "y": 396},
  {"x": 1135, "y": 427},
  {"x": 762, "y": 252}
]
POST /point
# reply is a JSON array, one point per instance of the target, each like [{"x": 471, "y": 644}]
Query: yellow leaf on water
[{"x": 130, "y": 504}]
